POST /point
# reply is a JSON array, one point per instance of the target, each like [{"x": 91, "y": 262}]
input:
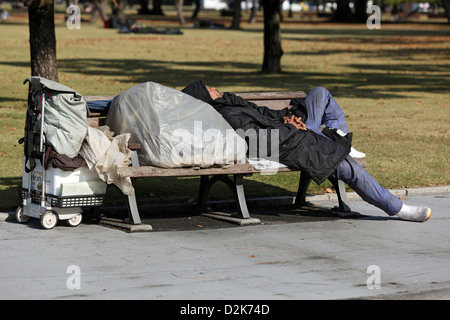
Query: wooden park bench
[{"x": 209, "y": 176}]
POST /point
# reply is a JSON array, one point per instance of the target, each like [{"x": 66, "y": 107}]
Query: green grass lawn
[{"x": 392, "y": 83}]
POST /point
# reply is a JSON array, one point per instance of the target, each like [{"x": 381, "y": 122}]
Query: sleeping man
[{"x": 312, "y": 137}]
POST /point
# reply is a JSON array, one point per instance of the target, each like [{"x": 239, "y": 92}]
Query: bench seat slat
[
  {"x": 283, "y": 95},
  {"x": 151, "y": 171}
]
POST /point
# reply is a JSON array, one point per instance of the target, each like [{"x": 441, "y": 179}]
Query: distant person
[{"x": 303, "y": 144}]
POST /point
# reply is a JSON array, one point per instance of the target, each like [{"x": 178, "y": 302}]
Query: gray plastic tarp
[{"x": 174, "y": 129}]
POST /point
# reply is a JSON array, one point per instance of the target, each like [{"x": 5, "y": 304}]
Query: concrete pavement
[{"x": 371, "y": 257}]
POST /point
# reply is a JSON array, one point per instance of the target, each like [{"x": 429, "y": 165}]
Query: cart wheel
[
  {"x": 48, "y": 219},
  {"x": 20, "y": 217},
  {"x": 75, "y": 220}
]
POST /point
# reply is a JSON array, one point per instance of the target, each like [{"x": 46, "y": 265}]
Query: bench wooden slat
[
  {"x": 93, "y": 122},
  {"x": 273, "y": 104},
  {"x": 273, "y": 100},
  {"x": 151, "y": 171},
  {"x": 95, "y": 98},
  {"x": 241, "y": 168},
  {"x": 251, "y": 96},
  {"x": 272, "y": 95}
]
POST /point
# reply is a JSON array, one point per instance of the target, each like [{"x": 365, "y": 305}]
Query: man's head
[
  {"x": 213, "y": 92},
  {"x": 202, "y": 92}
]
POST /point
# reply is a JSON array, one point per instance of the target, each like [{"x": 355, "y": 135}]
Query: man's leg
[
  {"x": 366, "y": 187},
  {"x": 323, "y": 109}
]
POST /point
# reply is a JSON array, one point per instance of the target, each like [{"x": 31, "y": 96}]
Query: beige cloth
[{"x": 107, "y": 154}]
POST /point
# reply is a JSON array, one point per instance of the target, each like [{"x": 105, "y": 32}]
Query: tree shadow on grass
[
  {"x": 9, "y": 197},
  {"x": 370, "y": 81},
  {"x": 387, "y": 66},
  {"x": 362, "y": 31}
]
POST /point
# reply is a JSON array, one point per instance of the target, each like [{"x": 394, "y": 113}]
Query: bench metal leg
[
  {"x": 305, "y": 180},
  {"x": 240, "y": 196},
  {"x": 339, "y": 185},
  {"x": 236, "y": 185},
  {"x": 133, "y": 212},
  {"x": 202, "y": 192}
]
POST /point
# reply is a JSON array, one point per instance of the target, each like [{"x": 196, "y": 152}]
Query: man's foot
[
  {"x": 356, "y": 154},
  {"x": 412, "y": 213}
]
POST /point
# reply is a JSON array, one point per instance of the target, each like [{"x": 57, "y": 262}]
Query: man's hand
[{"x": 295, "y": 121}]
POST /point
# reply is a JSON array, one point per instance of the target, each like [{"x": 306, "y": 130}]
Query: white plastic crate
[{"x": 81, "y": 181}]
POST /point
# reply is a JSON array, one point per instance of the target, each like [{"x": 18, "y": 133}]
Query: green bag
[{"x": 65, "y": 115}]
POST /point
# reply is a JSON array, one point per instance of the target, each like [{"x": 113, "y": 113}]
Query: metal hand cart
[{"x": 37, "y": 201}]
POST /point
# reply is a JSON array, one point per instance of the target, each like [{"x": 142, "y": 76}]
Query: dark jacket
[{"x": 301, "y": 149}]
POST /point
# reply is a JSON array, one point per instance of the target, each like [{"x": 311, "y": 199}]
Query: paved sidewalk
[{"x": 326, "y": 258}]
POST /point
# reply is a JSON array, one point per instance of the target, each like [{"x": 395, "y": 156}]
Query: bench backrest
[{"x": 273, "y": 100}]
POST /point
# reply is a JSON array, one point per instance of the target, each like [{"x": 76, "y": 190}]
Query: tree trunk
[
  {"x": 252, "y": 18},
  {"x": 118, "y": 10},
  {"x": 446, "y": 4},
  {"x": 235, "y": 24},
  {"x": 157, "y": 9},
  {"x": 272, "y": 36},
  {"x": 179, "y": 7},
  {"x": 99, "y": 10},
  {"x": 42, "y": 40},
  {"x": 196, "y": 10},
  {"x": 343, "y": 12},
  {"x": 360, "y": 10},
  {"x": 144, "y": 7}
]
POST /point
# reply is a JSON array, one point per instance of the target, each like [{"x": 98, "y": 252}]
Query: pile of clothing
[{"x": 70, "y": 142}]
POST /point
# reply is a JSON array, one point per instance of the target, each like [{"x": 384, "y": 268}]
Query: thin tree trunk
[
  {"x": 252, "y": 18},
  {"x": 179, "y": 7},
  {"x": 343, "y": 12},
  {"x": 272, "y": 37},
  {"x": 446, "y": 4},
  {"x": 235, "y": 24},
  {"x": 360, "y": 10},
  {"x": 196, "y": 10},
  {"x": 43, "y": 40},
  {"x": 99, "y": 10},
  {"x": 157, "y": 8}
]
